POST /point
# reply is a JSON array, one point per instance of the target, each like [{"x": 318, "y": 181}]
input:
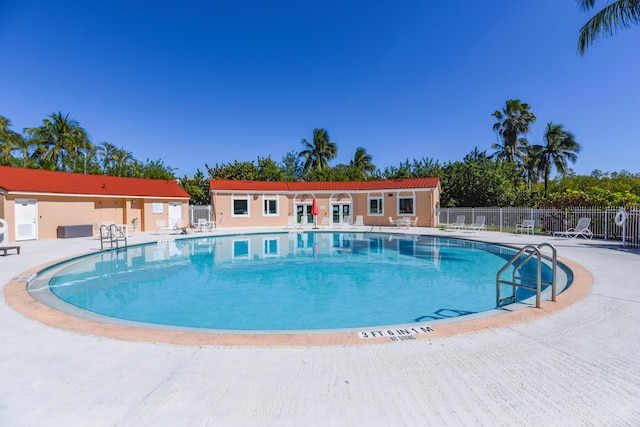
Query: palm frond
[{"x": 613, "y": 17}]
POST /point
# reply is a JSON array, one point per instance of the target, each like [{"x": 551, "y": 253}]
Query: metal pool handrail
[{"x": 521, "y": 281}]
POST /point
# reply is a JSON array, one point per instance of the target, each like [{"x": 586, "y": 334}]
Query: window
[
  {"x": 375, "y": 205},
  {"x": 157, "y": 208},
  {"x": 270, "y": 206},
  {"x": 405, "y": 206},
  {"x": 240, "y": 205}
]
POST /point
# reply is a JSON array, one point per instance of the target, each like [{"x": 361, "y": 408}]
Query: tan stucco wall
[{"x": 54, "y": 211}]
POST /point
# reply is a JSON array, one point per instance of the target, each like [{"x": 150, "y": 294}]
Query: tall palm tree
[
  {"x": 530, "y": 166},
  {"x": 560, "y": 147},
  {"x": 104, "y": 152},
  {"x": 614, "y": 16},
  {"x": 363, "y": 161},
  {"x": 121, "y": 158},
  {"x": 6, "y": 141},
  {"x": 23, "y": 145},
  {"x": 63, "y": 136},
  {"x": 317, "y": 154},
  {"x": 513, "y": 121}
]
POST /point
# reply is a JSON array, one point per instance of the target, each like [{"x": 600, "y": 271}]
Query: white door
[
  {"x": 26, "y": 219},
  {"x": 175, "y": 214}
]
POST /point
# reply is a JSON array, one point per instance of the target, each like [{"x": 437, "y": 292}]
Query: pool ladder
[
  {"x": 368, "y": 233},
  {"x": 113, "y": 234},
  {"x": 524, "y": 255}
]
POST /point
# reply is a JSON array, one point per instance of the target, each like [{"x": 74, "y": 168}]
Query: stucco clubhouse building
[{"x": 260, "y": 203}]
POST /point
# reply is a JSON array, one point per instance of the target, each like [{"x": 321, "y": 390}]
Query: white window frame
[
  {"x": 244, "y": 197},
  {"x": 266, "y": 199},
  {"x": 380, "y": 200},
  {"x": 157, "y": 208},
  {"x": 413, "y": 205}
]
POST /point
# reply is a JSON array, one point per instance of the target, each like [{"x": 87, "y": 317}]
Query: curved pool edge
[{"x": 18, "y": 298}]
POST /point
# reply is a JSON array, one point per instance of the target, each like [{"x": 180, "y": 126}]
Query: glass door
[
  {"x": 341, "y": 213},
  {"x": 303, "y": 213}
]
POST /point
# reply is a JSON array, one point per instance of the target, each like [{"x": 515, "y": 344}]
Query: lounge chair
[
  {"x": 161, "y": 224},
  {"x": 458, "y": 225},
  {"x": 527, "y": 226},
  {"x": 478, "y": 224},
  {"x": 392, "y": 222},
  {"x": 581, "y": 229},
  {"x": 359, "y": 221},
  {"x": 414, "y": 223},
  {"x": 291, "y": 222},
  {"x": 326, "y": 221}
]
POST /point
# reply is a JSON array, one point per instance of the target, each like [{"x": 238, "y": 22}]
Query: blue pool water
[{"x": 287, "y": 281}]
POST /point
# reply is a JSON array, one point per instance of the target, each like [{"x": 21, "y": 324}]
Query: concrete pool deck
[{"x": 578, "y": 364}]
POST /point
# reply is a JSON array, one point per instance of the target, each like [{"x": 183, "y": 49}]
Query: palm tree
[
  {"x": 530, "y": 165},
  {"x": 317, "y": 154},
  {"x": 121, "y": 158},
  {"x": 6, "y": 141},
  {"x": 560, "y": 147},
  {"x": 513, "y": 121},
  {"x": 23, "y": 145},
  {"x": 614, "y": 16},
  {"x": 104, "y": 152},
  {"x": 63, "y": 137},
  {"x": 362, "y": 161}
]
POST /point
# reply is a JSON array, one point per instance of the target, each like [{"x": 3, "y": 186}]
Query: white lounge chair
[
  {"x": 527, "y": 226},
  {"x": 458, "y": 225},
  {"x": 326, "y": 221},
  {"x": 291, "y": 222},
  {"x": 478, "y": 225},
  {"x": 359, "y": 221},
  {"x": 161, "y": 224},
  {"x": 392, "y": 222},
  {"x": 581, "y": 229}
]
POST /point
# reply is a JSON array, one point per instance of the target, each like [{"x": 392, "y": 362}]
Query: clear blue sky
[{"x": 197, "y": 82}]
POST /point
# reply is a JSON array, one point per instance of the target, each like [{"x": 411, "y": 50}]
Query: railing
[
  {"x": 374, "y": 226},
  {"x": 549, "y": 220},
  {"x": 113, "y": 234},
  {"x": 524, "y": 256}
]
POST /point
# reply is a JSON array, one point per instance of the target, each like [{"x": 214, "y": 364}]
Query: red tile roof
[
  {"x": 389, "y": 184},
  {"x": 51, "y": 182}
]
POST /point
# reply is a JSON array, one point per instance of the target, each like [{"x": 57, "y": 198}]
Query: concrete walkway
[{"x": 578, "y": 366}]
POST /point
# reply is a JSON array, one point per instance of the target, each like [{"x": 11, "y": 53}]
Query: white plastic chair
[{"x": 527, "y": 226}]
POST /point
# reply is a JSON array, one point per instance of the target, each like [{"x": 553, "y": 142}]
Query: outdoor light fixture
[{"x": 390, "y": 194}]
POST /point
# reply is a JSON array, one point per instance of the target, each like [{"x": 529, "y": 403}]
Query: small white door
[
  {"x": 26, "y": 212},
  {"x": 175, "y": 214}
]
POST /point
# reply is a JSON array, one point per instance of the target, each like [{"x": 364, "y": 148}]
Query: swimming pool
[{"x": 281, "y": 282}]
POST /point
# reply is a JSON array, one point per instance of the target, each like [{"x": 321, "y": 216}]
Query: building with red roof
[
  {"x": 37, "y": 202},
  {"x": 381, "y": 202}
]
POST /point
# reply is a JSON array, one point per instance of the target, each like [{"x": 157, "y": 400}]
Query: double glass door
[
  {"x": 341, "y": 213},
  {"x": 303, "y": 213}
]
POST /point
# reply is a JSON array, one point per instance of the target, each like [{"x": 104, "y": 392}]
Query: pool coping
[{"x": 18, "y": 298}]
